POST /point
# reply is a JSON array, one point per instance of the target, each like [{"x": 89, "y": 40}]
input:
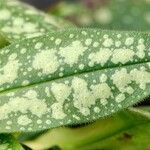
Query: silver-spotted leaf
[
  {"x": 19, "y": 20},
  {"x": 8, "y": 142},
  {"x": 71, "y": 77}
]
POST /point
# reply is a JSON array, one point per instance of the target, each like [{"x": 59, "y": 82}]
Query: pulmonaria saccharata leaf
[
  {"x": 19, "y": 20},
  {"x": 71, "y": 77}
]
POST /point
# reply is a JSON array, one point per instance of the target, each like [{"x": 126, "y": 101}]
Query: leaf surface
[
  {"x": 71, "y": 77},
  {"x": 19, "y": 20}
]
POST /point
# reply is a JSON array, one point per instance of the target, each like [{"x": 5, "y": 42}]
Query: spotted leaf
[
  {"x": 19, "y": 20},
  {"x": 71, "y": 77}
]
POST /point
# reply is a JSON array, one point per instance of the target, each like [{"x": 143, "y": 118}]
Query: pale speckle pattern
[
  {"x": 24, "y": 120},
  {"x": 38, "y": 45},
  {"x": 121, "y": 79},
  {"x": 129, "y": 41},
  {"x": 88, "y": 42},
  {"x": 141, "y": 77},
  {"x": 47, "y": 91},
  {"x": 83, "y": 100},
  {"x": 46, "y": 61},
  {"x": 100, "y": 57},
  {"x": 141, "y": 48},
  {"x": 19, "y": 20},
  {"x": 103, "y": 78},
  {"x": 120, "y": 98},
  {"x": 122, "y": 56},
  {"x": 102, "y": 91},
  {"x": 81, "y": 66},
  {"x": 23, "y": 50},
  {"x": 96, "y": 109},
  {"x": 10, "y": 70},
  {"x": 71, "y": 81},
  {"x": 72, "y": 52},
  {"x": 95, "y": 44},
  {"x": 28, "y": 102},
  {"x": 61, "y": 93},
  {"x": 108, "y": 42},
  {"x": 25, "y": 82},
  {"x": 58, "y": 41}
]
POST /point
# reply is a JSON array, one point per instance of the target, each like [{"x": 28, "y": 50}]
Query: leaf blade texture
[
  {"x": 19, "y": 20},
  {"x": 54, "y": 80}
]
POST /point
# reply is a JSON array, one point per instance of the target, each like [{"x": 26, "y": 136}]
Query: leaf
[
  {"x": 7, "y": 142},
  {"x": 71, "y": 77},
  {"x": 19, "y": 20},
  {"x": 3, "y": 41},
  {"x": 125, "y": 130}
]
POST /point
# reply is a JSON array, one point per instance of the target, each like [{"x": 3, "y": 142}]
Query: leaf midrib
[{"x": 70, "y": 75}]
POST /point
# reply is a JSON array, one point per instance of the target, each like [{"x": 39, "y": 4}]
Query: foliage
[{"x": 53, "y": 74}]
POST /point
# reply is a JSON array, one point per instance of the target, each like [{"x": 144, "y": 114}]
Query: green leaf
[
  {"x": 19, "y": 20},
  {"x": 71, "y": 77},
  {"x": 8, "y": 142},
  {"x": 125, "y": 130},
  {"x": 3, "y": 41}
]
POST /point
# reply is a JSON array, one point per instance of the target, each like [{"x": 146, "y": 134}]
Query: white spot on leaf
[
  {"x": 72, "y": 52},
  {"x": 46, "y": 61}
]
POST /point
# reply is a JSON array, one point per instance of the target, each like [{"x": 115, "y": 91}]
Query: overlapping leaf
[
  {"x": 71, "y": 77},
  {"x": 19, "y": 20}
]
